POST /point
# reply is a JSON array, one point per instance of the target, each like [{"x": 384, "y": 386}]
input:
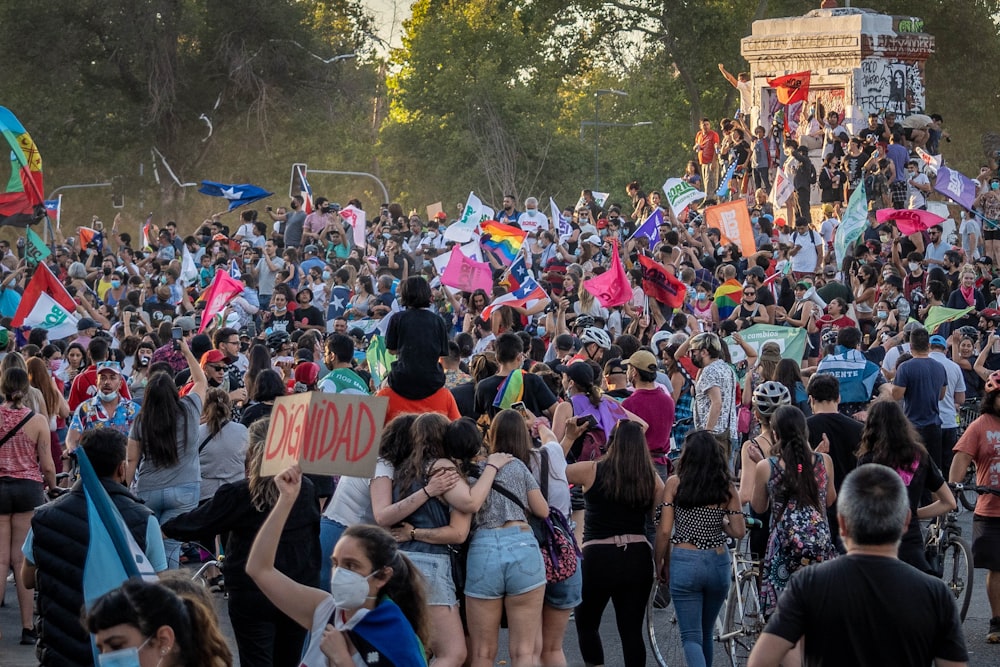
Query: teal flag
[
  {"x": 379, "y": 360},
  {"x": 791, "y": 340},
  {"x": 852, "y": 223},
  {"x": 35, "y": 250}
]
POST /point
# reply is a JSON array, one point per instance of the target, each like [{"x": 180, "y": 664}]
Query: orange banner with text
[{"x": 733, "y": 222}]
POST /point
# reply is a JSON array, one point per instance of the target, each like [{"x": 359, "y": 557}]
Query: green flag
[
  {"x": 35, "y": 249},
  {"x": 379, "y": 360},
  {"x": 791, "y": 340},
  {"x": 852, "y": 223},
  {"x": 938, "y": 315}
]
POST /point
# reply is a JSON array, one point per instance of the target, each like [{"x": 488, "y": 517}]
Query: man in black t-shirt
[
  {"x": 537, "y": 396},
  {"x": 868, "y": 607}
]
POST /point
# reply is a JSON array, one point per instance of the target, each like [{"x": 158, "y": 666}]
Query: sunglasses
[
  {"x": 749, "y": 293},
  {"x": 217, "y": 367}
]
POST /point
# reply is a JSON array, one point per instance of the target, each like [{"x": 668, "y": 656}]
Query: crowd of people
[{"x": 560, "y": 411}]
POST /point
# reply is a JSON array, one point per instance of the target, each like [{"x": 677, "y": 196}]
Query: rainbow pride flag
[
  {"x": 511, "y": 391},
  {"x": 504, "y": 241},
  {"x": 728, "y": 296}
]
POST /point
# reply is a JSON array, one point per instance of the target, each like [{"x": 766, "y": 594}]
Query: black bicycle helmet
[{"x": 276, "y": 339}]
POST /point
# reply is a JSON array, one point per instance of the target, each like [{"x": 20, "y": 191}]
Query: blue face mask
[
  {"x": 115, "y": 284},
  {"x": 126, "y": 657}
]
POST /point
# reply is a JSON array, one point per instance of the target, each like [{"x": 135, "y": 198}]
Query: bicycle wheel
[
  {"x": 968, "y": 497},
  {"x": 958, "y": 572},
  {"x": 744, "y": 620},
  {"x": 664, "y": 634}
]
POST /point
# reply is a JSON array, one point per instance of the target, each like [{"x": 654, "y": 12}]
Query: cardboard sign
[
  {"x": 434, "y": 209},
  {"x": 327, "y": 434}
]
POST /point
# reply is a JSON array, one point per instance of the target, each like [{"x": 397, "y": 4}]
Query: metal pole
[
  {"x": 385, "y": 192},
  {"x": 79, "y": 186},
  {"x": 597, "y": 146}
]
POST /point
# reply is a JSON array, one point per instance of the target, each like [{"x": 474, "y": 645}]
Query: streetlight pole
[{"x": 597, "y": 130}]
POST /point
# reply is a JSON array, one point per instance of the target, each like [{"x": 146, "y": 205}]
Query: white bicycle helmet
[
  {"x": 769, "y": 396},
  {"x": 598, "y": 336},
  {"x": 659, "y": 337}
]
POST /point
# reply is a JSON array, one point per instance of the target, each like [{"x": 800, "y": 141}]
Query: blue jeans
[
  {"x": 699, "y": 584},
  {"x": 169, "y": 503},
  {"x": 329, "y": 532}
]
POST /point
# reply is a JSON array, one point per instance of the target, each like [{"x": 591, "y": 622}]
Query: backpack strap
[{"x": 17, "y": 427}]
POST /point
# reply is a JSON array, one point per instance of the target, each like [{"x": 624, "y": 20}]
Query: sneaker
[
  {"x": 993, "y": 636},
  {"x": 28, "y": 637}
]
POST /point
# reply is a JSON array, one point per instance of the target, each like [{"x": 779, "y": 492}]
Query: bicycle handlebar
[{"x": 960, "y": 486}]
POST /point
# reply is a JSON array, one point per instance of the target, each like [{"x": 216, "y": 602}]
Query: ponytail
[
  {"x": 799, "y": 481},
  {"x": 593, "y": 393}
]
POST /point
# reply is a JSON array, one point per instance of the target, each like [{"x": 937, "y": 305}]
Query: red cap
[
  {"x": 307, "y": 373},
  {"x": 780, "y": 222},
  {"x": 212, "y": 357},
  {"x": 602, "y": 223},
  {"x": 441, "y": 215}
]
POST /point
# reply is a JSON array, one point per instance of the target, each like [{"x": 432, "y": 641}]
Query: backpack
[
  {"x": 802, "y": 533},
  {"x": 590, "y": 446}
]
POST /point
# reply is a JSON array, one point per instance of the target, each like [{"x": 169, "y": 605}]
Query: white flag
[
  {"x": 462, "y": 230},
  {"x": 559, "y": 223},
  {"x": 782, "y": 188},
  {"x": 358, "y": 220},
  {"x": 49, "y": 315},
  {"x": 680, "y": 194},
  {"x": 189, "y": 272}
]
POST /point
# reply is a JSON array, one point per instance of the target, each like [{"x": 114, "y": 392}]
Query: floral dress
[{"x": 778, "y": 566}]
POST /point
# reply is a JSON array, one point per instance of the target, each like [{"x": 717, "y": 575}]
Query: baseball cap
[
  {"x": 109, "y": 367},
  {"x": 995, "y": 284},
  {"x": 829, "y": 270},
  {"x": 312, "y": 249},
  {"x": 579, "y": 372},
  {"x": 185, "y": 323},
  {"x": 441, "y": 215},
  {"x": 593, "y": 239},
  {"x": 939, "y": 341},
  {"x": 565, "y": 342},
  {"x": 616, "y": 365},
  {"x": 756, "y": 272},
  {"x": 642, "y": 360},
  {"x": 212, "y": 357},
  {"x": 86, "y": 323}
]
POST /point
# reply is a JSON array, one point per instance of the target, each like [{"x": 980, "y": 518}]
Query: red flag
[
  {"x": 791, "y": 88},
  {"x": 43, "y": 281},
  {"x": 223, "y": 288},
  {"x": 611, "y": 288},
  {"x": 659, "y": 284}
]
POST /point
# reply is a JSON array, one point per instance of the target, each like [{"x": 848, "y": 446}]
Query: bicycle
[
  {"x": 968, "y": 412},
  {"x": 950, "y": 557},
  {"x": 738, "y": 625}
]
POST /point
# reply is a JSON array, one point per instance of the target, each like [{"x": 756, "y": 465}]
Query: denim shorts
[
  {"x": 20, "y": 495},
  {"x": 566, "y": 594},
  {"x": 503, "y": 561},
  {"x": 436, "y": 569}
]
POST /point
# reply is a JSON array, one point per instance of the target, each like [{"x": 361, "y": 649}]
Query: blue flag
[
  {"x": 650, "y": 228},
  {"x": 340, "y": 300},
  {"x": 723, "y": 190},
  {"x": 113, "y": 556},
  {"x": 236, "y": 195}
]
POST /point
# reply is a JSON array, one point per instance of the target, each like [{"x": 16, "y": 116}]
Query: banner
[
  {"x": 35, "y": 250},
  {"x": 659, "y": 284},
  {"x": 733, "y": 222},
  {"x": 680, "y": 194},
  {"x": 358, "y": 220},
  {"x": 599, "y": 198},
  {"x": 462, "y": 230},
  {"x": 219, "y": 293},
  {"x": 791, "y": 340},
  {"x": 433, "y": 210},
  {"x": 326, "y": 434},
  {"x": 650, "y": 228},
  {"x": 781, "y": 189},
  {"x": 956, "y": 186},
  {"x": 49, "y": 315},
  {"x": 472, "y": 250},
  {"x": 852, "y": 223},
  {"x": 467, "y": 274}
]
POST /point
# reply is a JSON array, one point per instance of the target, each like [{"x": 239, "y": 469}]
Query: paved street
[{"x": 981, "y": 654}]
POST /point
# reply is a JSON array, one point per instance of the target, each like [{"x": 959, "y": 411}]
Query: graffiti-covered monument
[{"x": 861, "y": 62}]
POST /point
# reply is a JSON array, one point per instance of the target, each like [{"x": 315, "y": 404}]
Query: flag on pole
[
  {"x": 307, "y": 192},
  {"x": 723, "y": 190},
  {"x": 463, "y": 230},
  {"x": 938, "y": 315},
  {"x": 680, "y": 194},
  {"x": 53, "y": 209},
  {"x": 504, "y": 241},
  {"x": 35, "y": 249},
  {"x": 529, "y": 290},
  {"x": 659, "y": 284},
  {"x": 21, "y": 197},
  {"x": 650, "y": 227},
  {"x": 234, "y": 270},
  {"x": 909, "y": 221},
  {"x": 466, "y": 274},
  {"x": 781, "y": 189},
  {"x": 236, "y": 195},
  {"x": 932, "y": 161},
  {"x": 358, "y": 220},
  {"x": 47, "y": 314},
  {"x": 852, "y": 223},
  {"x": 88, "y": 236},
  {"x": 956, "y": 186},
  {"x": 42, "y": 282},
  {"x": 791, "y": 88},
  {"x": 113, "y": 555},
  {"x": 189, "y": 272},
  {"x": 559, "y": 222},
  {"x": 222, "y": 289},
  {"x": 611, "y": 288}
]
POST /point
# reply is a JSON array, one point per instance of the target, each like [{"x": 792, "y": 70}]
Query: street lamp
[{"x": 597, "y": 129}]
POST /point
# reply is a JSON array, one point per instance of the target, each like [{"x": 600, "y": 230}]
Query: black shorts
[
  {"x": 986, "y": 542},
  {"x": 991, "y": 234},
  {"x": 20, "y": 495}
]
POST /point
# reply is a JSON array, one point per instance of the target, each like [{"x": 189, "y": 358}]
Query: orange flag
[
  {"x": 791, "y": 88},
  {"x": 733, "y": 222}
]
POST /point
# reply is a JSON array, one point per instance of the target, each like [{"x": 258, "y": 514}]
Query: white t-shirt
[
  {"x": 533, "y": 221},
  {"x": 558, "y": 485},
  {"x": 828, "y": 229},
  {"x": 806, "y": 260},
  {"x": 914, "y": 196},
  {"x": 745, "y": 89}
]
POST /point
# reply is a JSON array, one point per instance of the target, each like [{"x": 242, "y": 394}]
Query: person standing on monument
[{"x": 706, "y": 143}]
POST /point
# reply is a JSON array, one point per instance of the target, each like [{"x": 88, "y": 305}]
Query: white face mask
[
  {"x": 349, "y": 589},
  {"x": 913, "y": 266}
]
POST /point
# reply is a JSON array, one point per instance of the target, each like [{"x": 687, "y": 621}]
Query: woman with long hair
[
  {"x": 789, "y": 373},
  {"x": 222, "y": 444},
  {"x": 34, "y": 398},
  {"x": 265, "y": 635},
  {"x": 796, "y": 478},
  {"x": 864, "y": 282},
  {"x": 890, "y": 440},
  {"x": 163, "y": 446},
  {"x": 505, "y": 568},
  {"x": 74, "y": 362},
  {"x": 586, "y": 304},
  {"x": 55, "y": 405},
  {"x": 478, "y": 300},
  {"x": 26, "y": 468},
  {"x": 267, "y": 387},
  {"x": 425, "y": 525},
  {"x": 258, "y": 360},
  {"x": 139, "y": 377},
  {"x": 767, "y": 364},
  {"x": 701, "y": 507},
  {"x": 147, "y": 623},
  {"x": 620, "y": 490}
]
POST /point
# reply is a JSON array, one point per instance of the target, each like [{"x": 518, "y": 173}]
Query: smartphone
[
  {"x": 284, "y": 360},
  {"x": 519, "y": 406},
  {"x": 176, "y": 333},
  {"x": 589, "y": 420}
]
